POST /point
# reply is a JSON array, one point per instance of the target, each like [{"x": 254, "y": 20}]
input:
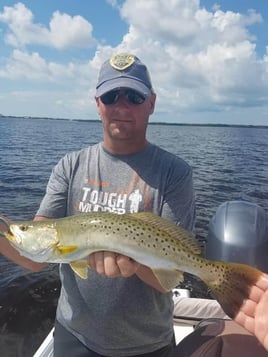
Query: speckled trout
[{"x": 166, "y": 248}]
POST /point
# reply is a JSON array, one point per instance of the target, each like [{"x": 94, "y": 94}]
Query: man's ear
[
  {"x": 152, "y": 102},
  {"x": 97, "y": 100}
]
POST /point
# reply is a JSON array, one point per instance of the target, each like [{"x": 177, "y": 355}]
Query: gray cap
[{"x": 124, "y": 71}]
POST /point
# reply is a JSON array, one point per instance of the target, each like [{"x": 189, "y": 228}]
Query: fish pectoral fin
[
  {"x": 66, "y": 249},
  {"x": 168, "y": 279},
  {"x": 80, "y": 267}
]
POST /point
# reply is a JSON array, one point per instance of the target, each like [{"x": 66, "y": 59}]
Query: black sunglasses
[{"x": 132, "y": 96}]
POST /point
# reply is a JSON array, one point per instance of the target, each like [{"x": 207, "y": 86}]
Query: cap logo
[{"x": 122, "y": 61}]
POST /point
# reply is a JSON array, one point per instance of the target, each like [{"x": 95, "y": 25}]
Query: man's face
[{"x": 122, "y": 119}]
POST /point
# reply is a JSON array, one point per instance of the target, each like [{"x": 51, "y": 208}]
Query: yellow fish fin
[
  {"x": 185, "y": 237},
  {"x": 80, "y": 267},
  {"x": 66, "y": 249},
  {"x": 168, "y": 279}
]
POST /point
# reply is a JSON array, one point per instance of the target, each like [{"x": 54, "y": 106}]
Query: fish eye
[{"x": 23, "y": 228}]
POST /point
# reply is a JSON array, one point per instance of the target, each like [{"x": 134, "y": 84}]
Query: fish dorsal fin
[
  {"x": 168, "y": 279},
  {"x": 80, "y": 267},
  {"x": 177, "y": 232}
]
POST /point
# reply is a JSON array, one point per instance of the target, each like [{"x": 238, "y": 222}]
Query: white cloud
[
  {"x": 207, "y": 58},
  {"x": 163, "y": 20},
  {"x": 64, "y": 31},
  {"x": 113, "y": 3},
  {"x": 200, "y": 60},
  {"x": 51, "y": 104},
  {"x": 32, "y": 67},
  {"x": 67, "y": 31}
]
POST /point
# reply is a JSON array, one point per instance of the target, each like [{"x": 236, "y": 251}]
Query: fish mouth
[
  {"x": 6, "y": 223},
  {"x": 9, "y": 235},
  {"x": 12, "y": 235},
  {"x": 7, "y": 232}
]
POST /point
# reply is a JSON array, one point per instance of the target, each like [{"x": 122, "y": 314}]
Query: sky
[{"x": 208, "y": 60}]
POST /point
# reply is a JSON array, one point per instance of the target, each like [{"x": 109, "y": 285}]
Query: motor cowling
[{"x": 238, "y": 233}]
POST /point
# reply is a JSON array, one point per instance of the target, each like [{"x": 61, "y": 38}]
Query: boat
[
  {"x": 237, "y": 232},
  {"x": 194, "y": 311}
]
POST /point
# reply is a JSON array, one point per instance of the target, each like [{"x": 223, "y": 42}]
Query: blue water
[{"x": 228, "y": 163}]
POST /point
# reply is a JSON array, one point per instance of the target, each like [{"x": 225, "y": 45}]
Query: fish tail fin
[{"x": 232, "y": 285}]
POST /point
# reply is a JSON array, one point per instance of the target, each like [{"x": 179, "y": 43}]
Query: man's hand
[
  {"x": 113, "y": 265},
  {"x": 253, "y": 314}
]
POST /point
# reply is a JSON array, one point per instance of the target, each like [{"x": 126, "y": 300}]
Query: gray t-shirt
[{"x": 120, "y": 316}]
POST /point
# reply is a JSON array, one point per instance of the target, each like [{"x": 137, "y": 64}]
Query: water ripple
[{"x": 228, "y": 163}]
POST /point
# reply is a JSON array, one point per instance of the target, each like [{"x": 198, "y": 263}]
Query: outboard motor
[{"x": 238, "y": 233}]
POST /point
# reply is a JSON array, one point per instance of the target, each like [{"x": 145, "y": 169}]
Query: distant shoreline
[{"x": 150, "y": 123}]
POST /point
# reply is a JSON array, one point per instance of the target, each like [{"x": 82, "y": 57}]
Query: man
[
  {"x": 121, "y": 309},
  {"x": 130, "y": 314}
]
